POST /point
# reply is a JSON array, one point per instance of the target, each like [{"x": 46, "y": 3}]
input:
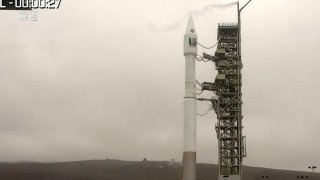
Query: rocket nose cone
[{"x": 190, "y": 27}]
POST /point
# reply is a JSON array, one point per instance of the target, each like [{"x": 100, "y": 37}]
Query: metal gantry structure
[
  {"x": 229, "y": 104},
  {"x": 226, "y": 102}
]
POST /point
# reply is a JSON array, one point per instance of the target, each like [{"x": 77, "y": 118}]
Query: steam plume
[{"x": 195, "y": 13}]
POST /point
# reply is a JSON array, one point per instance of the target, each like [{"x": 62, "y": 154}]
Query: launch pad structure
[
  {"x": 227, "y": 102},
  {"x": 228, "y": 107}
]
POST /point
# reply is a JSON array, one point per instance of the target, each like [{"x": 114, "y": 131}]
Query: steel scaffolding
[{"x": 228, "y": 107}]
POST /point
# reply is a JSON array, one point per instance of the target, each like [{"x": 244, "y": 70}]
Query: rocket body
[{"x": 189, "y": 154}]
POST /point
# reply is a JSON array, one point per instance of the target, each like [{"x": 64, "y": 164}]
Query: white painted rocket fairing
[{"x": 189, "y": 154}]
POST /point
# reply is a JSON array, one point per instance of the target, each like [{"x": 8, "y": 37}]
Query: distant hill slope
[{"x": 129, "y": 170}]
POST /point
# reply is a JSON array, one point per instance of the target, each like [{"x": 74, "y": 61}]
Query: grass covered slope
[{"x": 129, "y": 170}]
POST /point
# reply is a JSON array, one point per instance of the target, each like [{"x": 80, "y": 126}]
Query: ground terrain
[{"x": 130, "y": 170}]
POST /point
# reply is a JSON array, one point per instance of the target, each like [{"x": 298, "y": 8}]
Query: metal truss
[
  {"x": 229, "y": 105},
  {"x": 228, "y": 101}
]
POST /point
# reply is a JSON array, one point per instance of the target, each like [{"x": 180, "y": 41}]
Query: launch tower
[{"x": 228, "y": 107}]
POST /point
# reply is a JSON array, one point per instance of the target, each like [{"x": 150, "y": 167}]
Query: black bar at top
[{"x": 10, "y": 5}]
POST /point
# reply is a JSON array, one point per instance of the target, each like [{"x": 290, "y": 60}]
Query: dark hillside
[{"x": 127, "y": 170}]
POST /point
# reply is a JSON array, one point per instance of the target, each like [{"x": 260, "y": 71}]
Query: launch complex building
[{"x": 226, "y": 102}]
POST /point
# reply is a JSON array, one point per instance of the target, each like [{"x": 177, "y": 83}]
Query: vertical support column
[{"x": 240, "y": 92}]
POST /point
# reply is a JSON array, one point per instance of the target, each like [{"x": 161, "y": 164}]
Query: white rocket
[{"x": 189, "y": 154}]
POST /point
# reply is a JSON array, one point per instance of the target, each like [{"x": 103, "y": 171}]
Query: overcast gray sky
[{"x": 100, "y": 79}]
